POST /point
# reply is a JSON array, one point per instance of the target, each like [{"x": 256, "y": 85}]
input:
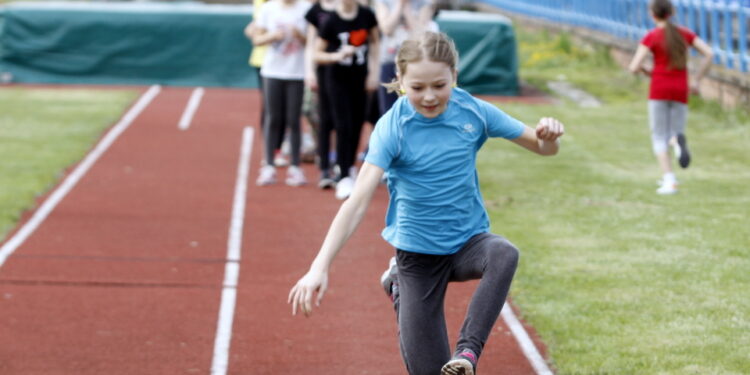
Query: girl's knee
[
  {"x": 504, "y": 253},
  {"x": 660, "y": 146}
]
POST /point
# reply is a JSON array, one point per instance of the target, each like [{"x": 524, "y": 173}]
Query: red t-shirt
[{"x": 667, "y": 83}]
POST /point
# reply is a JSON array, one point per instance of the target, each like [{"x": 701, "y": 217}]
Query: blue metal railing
[{"x": 723, "y": 24}]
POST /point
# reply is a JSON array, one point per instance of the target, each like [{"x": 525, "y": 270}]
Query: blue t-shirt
[{"x": 435, "y": 203}]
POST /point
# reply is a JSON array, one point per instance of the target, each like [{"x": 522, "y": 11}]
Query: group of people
[
  {"x": 339, "y": 51},
  {"x": 426, "y": 141}
]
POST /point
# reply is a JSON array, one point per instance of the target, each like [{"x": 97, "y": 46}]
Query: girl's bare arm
[
  {"x": 543, "y": 139},
  {"x": 310, "y": 78},
  {"x": 262, "y": 36},
  {"x": 636, "y": 64},
  {"x": 320, "y": 56},
  {"x": 343, "y": 226},
  {"x": 388, "y": 18},
  {"x": 708, "y": 55},
  {"x": 373, "y": 63}
]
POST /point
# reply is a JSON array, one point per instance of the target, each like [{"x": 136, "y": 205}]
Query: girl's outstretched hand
[
  {"x": 301, "y": 294},
  {"x": 549, "y": 129}
]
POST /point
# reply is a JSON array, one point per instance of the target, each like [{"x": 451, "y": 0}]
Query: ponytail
[
  {"x": 676, "y": 47},
  {"x": 674, "y": 43}
]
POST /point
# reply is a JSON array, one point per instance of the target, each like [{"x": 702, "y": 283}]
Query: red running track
[{"x": 126, "y": 274}]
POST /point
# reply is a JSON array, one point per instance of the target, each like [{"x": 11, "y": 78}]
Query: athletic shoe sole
[
  {"x": 684, "y": 158},
  {"x": 457, "y": 367},
  {"x": 327, "y": 183},
  {"x": 665, "y": 191}
]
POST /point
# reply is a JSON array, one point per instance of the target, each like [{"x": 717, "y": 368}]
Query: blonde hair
[{"x": 434, "y": 46}]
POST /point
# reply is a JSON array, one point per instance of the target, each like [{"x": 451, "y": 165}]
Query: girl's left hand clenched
[{"x": 549, "y": 129}]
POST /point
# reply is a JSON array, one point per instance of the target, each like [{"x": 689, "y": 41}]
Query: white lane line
[
  {"x": 527, "y": 346},
  {"x": 232, "y": 268},
  {"x": 192, "y": 106},
  {"x": 58, "y": 194}
]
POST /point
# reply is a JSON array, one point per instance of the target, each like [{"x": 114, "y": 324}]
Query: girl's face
[{"x": 428, "y": 86}]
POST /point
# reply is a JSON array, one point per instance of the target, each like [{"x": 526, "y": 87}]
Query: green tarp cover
[
  {"x": 486, "y": 44},
  {"x": 172, "y": 44},
  {"x": 193, "y": 44}
]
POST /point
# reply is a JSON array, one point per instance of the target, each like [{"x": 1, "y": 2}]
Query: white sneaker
[
  {"x": 286, "y": 146},
  {"x": 344, "y": 188},
  {"x": 326, "y": 180},
  {"x": 295, "y": 176},
  {"x": 280, "y": 160},
  {"x": 667, "y": 187},
  {"x": 308, "y": 151},
  {"x": 308, "y": 143},
  {"x": 267, "y": 176}
]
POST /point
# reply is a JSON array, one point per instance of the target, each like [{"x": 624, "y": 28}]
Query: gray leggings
[
  {"x": 666, "y": 119},
  {"x": 283, "y": 106},
  {"x": 422, "y": 283}
]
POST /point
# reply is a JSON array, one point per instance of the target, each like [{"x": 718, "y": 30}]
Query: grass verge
[
  {"x": 615, "y": 278},
  {"x": 44, "y": 131}
]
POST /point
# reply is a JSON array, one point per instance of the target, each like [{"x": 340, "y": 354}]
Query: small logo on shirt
[{"x": 468, "y": 128}]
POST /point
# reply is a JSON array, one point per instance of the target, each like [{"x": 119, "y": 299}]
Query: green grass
[
  {"x": 615, "y": 278},
  {"x": 42, "y": 132}
]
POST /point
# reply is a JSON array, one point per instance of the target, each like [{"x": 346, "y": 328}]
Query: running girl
[
  {"x": 428, "y": 142},
  {"x": 668, "y": 95}
]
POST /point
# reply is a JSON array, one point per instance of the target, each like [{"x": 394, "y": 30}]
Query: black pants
[
  {"x": 325, "y": 128},
  {"x": 263, "y": 111},
  {"x": 283, "y": 103},
  {"x": 422, "y": 283},
  {"x": 346, "y": 108}
]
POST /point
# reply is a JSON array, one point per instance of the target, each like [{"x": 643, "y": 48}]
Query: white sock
[{"x": 669, "y": 178}]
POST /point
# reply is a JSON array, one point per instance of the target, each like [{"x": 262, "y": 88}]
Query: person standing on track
[
  {"x": 348, "y": 44},
  {"x": 315, "y": 80},
  {"x": 398, "y": 19},
  {"x": 257, "y": 55},
  {"x": 428, "y": 143},
  {"x": 668, "y": 94},
  {"x": 281, "y": 25}
]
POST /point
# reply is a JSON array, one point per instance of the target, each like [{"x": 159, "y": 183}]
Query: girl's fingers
[
  {"x": 301, "y": 303},
  {"x": 294, "y": 303},
  {"x": 541, "y": 130},
  {"x": 307, "y": 303},
  {"x": 321, "y": 292},
  {"x": 549, "y": 129},
  {"x": 297, "y": 299}
]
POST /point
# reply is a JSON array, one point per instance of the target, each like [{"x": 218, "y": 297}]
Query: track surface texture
[{"x": 127, "y": 273}]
